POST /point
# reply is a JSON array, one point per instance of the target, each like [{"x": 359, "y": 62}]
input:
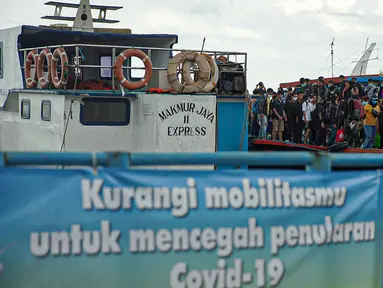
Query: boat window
[
  {"x": 46, "y": 110},
  {"x": 105, "y": 111},
  {"x": 106, "y": 73},
  {"x": 26, "y": 109},
  {"x": 1, "y": 60}
]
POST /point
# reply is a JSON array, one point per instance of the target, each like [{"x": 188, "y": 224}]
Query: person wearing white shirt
[{"x": 307, "y": 108}]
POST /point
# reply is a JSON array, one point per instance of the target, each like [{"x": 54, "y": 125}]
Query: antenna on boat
[
  {"x": 332, "y": 56},
  {"x": 203, "y": 44},
  {"x": 83, "y": 20}
]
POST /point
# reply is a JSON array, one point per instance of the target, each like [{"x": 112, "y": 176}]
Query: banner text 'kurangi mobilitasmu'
[{"x": 191, "y": 229}]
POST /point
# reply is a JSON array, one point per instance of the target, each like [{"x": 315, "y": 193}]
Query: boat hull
[{"x": 269, "y": 145}]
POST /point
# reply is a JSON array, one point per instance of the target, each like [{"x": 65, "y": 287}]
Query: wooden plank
[{"x": 72, "y": 5}]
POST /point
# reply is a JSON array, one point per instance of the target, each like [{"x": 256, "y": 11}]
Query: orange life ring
[
  {"x": 119, "y": 74},
  {"x": 33, "y": 56},
  {"x": 44, "y": 54},
  {"x": 59, "y": 53}
]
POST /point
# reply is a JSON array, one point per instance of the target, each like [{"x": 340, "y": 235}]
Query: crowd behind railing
[{"x": 319, "y": 114}]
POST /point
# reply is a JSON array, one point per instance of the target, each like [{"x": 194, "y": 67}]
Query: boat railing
[{"x": 113, "y": 53}]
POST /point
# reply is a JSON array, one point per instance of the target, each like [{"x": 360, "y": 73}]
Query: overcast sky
[{"x": 284, "y": 39}]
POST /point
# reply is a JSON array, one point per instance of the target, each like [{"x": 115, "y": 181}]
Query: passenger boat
[
  {"x": 79, "y": 89},
  {"x": 358, "y": 72}
]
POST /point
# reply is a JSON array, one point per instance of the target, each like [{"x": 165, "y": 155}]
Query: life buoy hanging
[
  {"x": 44, "y": 55},
  {"x": 59, "y": 83},
  {"x": 213, "y": 77},
  {"x": 203, "y": 73},
  {"x": 32, "y": 57},
  {"x": 119, "y": 74}
]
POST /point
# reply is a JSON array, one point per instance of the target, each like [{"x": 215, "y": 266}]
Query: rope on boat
[{"x": 70, "y": 116}]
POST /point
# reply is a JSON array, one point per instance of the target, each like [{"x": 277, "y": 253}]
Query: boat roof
[
  {"x": 45, "y": 36},
  {"x": 360, "y": 79}
]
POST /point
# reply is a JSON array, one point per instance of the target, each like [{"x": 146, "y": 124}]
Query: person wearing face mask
[
  {"x": 380, "y": 125},
  {"x": 354, "y": 115},
  {"x": 365, "y": 100},
  {"x": 345, "y": 88},
  {"x": 307, "y": 108},
  {"x": 371, "y": 112},
  {"x": 330, "y": 93},
  {"x": 355, "y": 83},
  {"x": 297, "y": 123},
  {"x": 262, "y": 117},
  {"x": 380, "y": 94},
  {"x": 279, "y": 117},
  {"x": 331, "y": 118},
  {"x": 370, "y": 89},
  {"x": 318, "y": 122},
  {"x": 289, "y": 110}
]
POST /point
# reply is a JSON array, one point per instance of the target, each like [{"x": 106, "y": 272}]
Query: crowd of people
[{"x": 319, "y": 113}]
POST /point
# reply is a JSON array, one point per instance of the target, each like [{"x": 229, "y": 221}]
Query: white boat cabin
[{"x": 94, "y": 113}]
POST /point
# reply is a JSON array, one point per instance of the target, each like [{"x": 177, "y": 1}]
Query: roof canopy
[{"x": 32, "y": 36}]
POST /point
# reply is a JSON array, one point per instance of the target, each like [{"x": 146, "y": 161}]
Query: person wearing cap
[
  {"x": 261, "y": 88},
  {"x": 278, "y": 117},
  {"x": 371, "y": 112}
]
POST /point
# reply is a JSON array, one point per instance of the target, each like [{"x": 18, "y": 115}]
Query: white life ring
[
  {"x": 195, "y": 86},
  {"x": 213, "y": 77}
]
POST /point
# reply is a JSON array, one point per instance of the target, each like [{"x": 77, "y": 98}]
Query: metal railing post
[
  {"x": 113, "y": 61},
  {"x": 118, "y": 160},
  {"x": 322, "y": 162},
  {"x": 77, "y": 62}
]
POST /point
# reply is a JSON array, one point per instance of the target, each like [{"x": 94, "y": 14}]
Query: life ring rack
[{"x": 119, "y": 74}]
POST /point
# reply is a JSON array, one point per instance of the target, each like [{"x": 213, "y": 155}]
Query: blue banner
[{"x": 133, "y": 228}]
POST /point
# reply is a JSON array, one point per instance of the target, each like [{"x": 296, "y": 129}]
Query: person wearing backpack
[
  {"x": 254, "y": 113},
  {"x": 371, "y": 111},
  {"x": 380, "y": 125},
  {"x": 318, "y": 122},
  {"x": 355, "y": 114},
  {"x": 296, "y": 118},
  {"x": 331, "y": 118},
  {"x": 262, "y": 117}
]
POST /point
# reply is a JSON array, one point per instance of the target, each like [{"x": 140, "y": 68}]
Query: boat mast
[{"x": 361, "y": 65}]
